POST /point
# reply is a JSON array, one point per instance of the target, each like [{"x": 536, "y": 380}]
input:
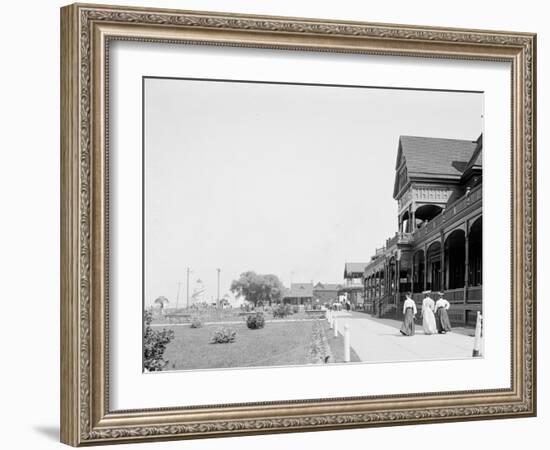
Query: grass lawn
[
  {"x": 222, "y": 315},
  {"x": 278, "y": 344}
]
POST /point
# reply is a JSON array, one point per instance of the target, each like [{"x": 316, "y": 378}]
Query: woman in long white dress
[{"x": 428, "y": 317}]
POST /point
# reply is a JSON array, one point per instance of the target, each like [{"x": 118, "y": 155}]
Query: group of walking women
[{"x": 435, "y": 318}]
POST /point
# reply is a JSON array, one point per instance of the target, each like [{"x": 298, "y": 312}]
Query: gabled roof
[
  {"x": 427, "y": 157},
  {"x": 327, "y": 286},
  {"x": 354, "y": 267},
  {"x": 298, "y": 290}
]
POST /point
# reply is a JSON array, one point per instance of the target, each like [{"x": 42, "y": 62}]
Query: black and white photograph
[
  {"x": 292, "y": 224},
  {"x": 266, "y": 225}
]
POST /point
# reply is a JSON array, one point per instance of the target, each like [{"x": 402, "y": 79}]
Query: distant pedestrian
[
  {"x": 428, "y": 317},
  {"x": 441, "y": 316},
  {"x": 409, "y": 310}
]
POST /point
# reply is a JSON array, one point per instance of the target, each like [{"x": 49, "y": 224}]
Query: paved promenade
[{"x": 376, "y": 340}]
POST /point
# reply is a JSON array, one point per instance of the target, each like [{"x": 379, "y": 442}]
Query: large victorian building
[{"x": 438, "y": 245}]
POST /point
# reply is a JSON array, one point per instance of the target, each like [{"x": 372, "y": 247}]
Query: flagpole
[
  {"x": 218, "y": 301},
  {"x": 178, "y": 296}
]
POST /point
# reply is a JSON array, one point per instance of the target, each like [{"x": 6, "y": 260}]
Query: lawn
[
  {"x": 278, "y": 344},
  {"x": 220, "y": 315}
]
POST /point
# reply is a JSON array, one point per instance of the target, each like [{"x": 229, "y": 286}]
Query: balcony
[
  {"x": 399, "y": 238},
  {"x": 466, "y": 201}
]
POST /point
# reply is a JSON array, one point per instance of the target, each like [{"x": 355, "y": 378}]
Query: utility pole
[
  {"x": 178, "y": 296},
  {"x": 188, "y": 287},
  {"x": 218, "y": 302}
]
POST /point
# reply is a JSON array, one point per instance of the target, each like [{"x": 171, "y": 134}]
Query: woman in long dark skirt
[
  {"x": 409, "y": 311},
  {"x": 441, "y": 316}
]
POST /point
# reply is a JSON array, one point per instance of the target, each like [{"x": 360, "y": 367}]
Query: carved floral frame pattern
[{"x": 85, "y": 416}]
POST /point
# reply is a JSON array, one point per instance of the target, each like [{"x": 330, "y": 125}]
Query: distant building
[
  {"x": 438, "y": 245},
  {"x": 298, "y": 294},
  {"x": 353, "y": 285},
  {"x": 326, "y": 292}
]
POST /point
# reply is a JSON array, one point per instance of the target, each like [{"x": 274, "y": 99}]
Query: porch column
[
  {"x": 397, "y": 295},
  {"x": 425, "y": 267},
  {"x": 372, "y": 286},
  {"x": 383, "y": 291},
  {"x": 379, "y": 300},
  {"x": 443, "y": 274},
  {"x": 387, "y": 287},
  {"x": 397, "y": 275},
  {"x": 413, "y": 274},
  {"x": 466, "y": 263}
]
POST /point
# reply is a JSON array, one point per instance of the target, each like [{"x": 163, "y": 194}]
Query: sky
[{"x": 291, "y": 180}]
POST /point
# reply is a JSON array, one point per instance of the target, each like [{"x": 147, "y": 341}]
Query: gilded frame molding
[{"x": 86, "y": 31}]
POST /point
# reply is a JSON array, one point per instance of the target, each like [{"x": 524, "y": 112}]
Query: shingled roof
[
  {"x": 427, "y": 157},
  {"x": 436, "y": 156},
  {"x": 299, "y": 290},
  {"x": 476, "y": 161},
  {"x": 327, "y": 286}
]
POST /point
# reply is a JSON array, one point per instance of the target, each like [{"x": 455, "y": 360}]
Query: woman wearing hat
[
  {"x": 428, "y": 317},
  {"x": 409, "y": 310},
  {"x": 441, "y": 317}
]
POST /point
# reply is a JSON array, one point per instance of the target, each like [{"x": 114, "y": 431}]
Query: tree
[
  {"x": 161, "y": 301},
  {"x": 256, "y": 288}
]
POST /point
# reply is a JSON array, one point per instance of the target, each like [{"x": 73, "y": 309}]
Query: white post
[
  {"x": 335, "y": 327},
  {"x": 477, "y": 337},
  {"x": 346, "y": 344}
]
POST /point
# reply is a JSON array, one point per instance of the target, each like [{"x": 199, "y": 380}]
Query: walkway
[{"x": 375, "y": 341}]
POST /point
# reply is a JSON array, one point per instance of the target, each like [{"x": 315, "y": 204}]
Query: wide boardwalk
[{"x": 375, "y": 340}]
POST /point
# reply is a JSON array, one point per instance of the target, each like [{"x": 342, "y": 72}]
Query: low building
[
  {"x": 438, "y": 243},
  {"x": 326, "y": 292},
  {"x": 299, "y": 294}
]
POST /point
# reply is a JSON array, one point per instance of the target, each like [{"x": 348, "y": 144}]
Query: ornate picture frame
[{"x": 86, "y": 33}]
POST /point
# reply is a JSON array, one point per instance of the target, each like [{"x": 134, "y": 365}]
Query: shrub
[
  {"x": 154, "y": 345},
  {"x": 295, "y": 309},
  {"x": 255, "y": 321},
  {"x": 223, "y": 336},
  {"x": 282, "y": 311},
  {"x": 196, "y": 322}
]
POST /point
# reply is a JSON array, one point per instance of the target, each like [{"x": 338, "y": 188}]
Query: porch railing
[{"x": 451, "y": 211}]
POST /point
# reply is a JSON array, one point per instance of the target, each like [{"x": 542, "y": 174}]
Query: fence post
[
  {"x": 346, "y": 343},
  {"x": 335, "y": 327},
  {"x": 477, "y": 337}
]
